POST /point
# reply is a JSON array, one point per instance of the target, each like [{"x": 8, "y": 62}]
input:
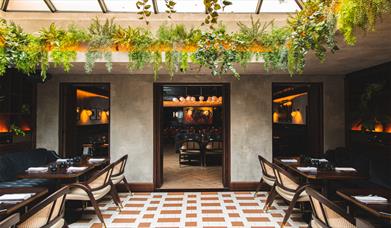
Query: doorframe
[
  {"x": 157, "y": 110},
  {"x": 321, "y": 109},
  {"x": 61, "y": 124}
]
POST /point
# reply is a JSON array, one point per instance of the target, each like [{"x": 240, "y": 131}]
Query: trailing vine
[
  {"x": 282, "y": 48},
  {"x": 144, "y": 10}
]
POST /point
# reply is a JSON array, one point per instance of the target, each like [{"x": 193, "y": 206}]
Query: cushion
[
  {"x": 14, "y": 163},
  {"x": 80, "y": 194},
  {"x": 117, "y": 179}
]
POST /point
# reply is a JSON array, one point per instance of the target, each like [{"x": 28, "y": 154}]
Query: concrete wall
[{"x": 132, "y": 118}]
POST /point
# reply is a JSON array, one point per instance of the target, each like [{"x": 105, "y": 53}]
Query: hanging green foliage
[
  {"x": 100, "y": 43},
  {"x": 362, "y": 14},
  {"x": 277, "y": 57}
]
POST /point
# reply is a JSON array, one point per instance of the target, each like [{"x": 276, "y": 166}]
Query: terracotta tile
[
  {"x": 210, "y": 204},
  {"x": 191, "y": 201},
  {"x": 154, "y": 202},
  {"x": 175, "y": 193},
  {"x": 151, "y": 208},
  {"x": 126, "y": 212},
  {"x": 252, "y": 211},
  {"x": 96, "y": 225},
  {"x": 138, "y": 199},
  {"x": 209, "y": 198},
  {"x": 245, "y": 198},
  {"x": 172, "y": 205},
  {"x": 258, "y": 219},
  {"x": 106, "y": 216},
  {"x": 148, "y": 216},
  {"x": 192, "y": 208},
  {"x": 157, "y": 196},
  {"x": 111, "y": 209},
  {"x": 192, "y": 196},
  {"x": 145, "y": 224},
  {"x": 191, "y": 215},
  {"x": 233, "y": 215},
  {"x": 124, "y": 220},
  {"x": 276, "y": 215},
  {"x": 230, "y": 207},
  {"x": 213, "y": 219},
  {"x": 212, "y": 211},
  {"x": 242, "y": 193},
  {"x": 226, "y": 195},
  {"x": 168, "y": 220},
  {"x": 228, "y": 201},
  {"x": 191, "y": 224},
  {"x": 173, "y": 199},
  {"x": 134, "y": 205},
  {"x": 170, "y": 212},
  {"x": 208, "y": 193},
  {"x": 237, "y": 224},
  {"x": 248, "y": 204}
]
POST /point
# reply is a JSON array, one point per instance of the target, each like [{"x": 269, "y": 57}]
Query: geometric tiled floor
[{"x": 191, "y": 209}]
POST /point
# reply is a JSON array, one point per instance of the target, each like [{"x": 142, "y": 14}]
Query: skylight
[{"x": 182, "y": 6}]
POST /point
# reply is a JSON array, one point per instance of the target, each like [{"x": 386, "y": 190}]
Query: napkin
[
  {"x": 75, "y": 169},
  {"x": 307, "y": 169},
  {"x": 15, "y": 196},
  {"x": 289, "y": 160},
  {"x": 96, "y": 160},
  {"x": 371, "y": 199},
  {"x": 347, "y": 169},
  {"x": 37, "y": 169},
  {"x": 60, "y": 160}
]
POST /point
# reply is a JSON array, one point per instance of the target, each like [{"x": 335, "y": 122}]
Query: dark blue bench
[{"x": 14, "y": 163}]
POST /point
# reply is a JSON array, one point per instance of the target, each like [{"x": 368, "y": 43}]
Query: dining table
[
  {"x": 379, "y": 212},
  {"x": 62, "y": 173},
  {"x": 320, "y": 177},
  {"x": 9, "y": 208}
]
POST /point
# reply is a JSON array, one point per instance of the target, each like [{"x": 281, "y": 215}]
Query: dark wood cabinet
[{"x": 17, "y": 111}]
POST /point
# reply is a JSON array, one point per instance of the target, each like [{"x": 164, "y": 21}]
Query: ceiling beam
[
  {"x": 103, "y": 6},
  {"x": 259, "y": 5},
  {"x": 50, "y": 5},
  {"x": 4, "y": 5},
  {"x": 155, "y": 8},
  {"x": 300, "y": 4}
]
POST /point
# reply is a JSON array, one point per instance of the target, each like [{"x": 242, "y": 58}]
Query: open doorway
[
  {"x": 297, "y": 119},
  {"x": 191, "y": 136},
  {"x": 85, "y": 119}
]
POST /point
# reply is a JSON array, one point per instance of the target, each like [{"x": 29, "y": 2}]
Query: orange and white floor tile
[{"x": 191, "y": 209}]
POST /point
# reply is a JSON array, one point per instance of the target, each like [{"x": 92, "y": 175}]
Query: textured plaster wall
[{"x": 132, "y": 118}]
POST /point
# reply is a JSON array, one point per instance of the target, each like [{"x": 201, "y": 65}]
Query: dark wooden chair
[
  {"x": 214, "y": 148},
  {"x": 326, "y": 214},
  {"x": 48, "y": 213},
  {"x": 94, "y": 189},
  {"x": 267, "y": 174},
  {"x": 190, "y": 151},
  {"x": 118, "y": 174},
  {"x": 289, "y": 188}
]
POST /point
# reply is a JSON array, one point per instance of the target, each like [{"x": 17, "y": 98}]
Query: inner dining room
[{"x": 190, "y": 113}]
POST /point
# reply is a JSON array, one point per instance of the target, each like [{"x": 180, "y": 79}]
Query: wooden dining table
[
  {"x": 321, "y": 176},
  {"x": 62, "y": 174},
  {"x": 18, "y": 206},
  {"x": 378, "y": 211}
]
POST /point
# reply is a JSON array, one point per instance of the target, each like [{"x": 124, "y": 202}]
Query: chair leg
[
  {"x": 115, "y": 196},
  {"x": 127, "y": 186},
  {"x": 270, "y": 198},
  {"x": 258, "y": 187},
  {"x": 290, "y": 208},
  {"x": 97, "y": 210}
]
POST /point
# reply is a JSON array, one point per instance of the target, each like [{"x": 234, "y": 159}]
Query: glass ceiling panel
[
  {"x": 183, "y": 6},
  {"x": 27, "y": 5},
  {"x": 278, "y": 6},
  {"x": 121, "y": 5},
  {"x": 241, "y": 6},
  {"x": 77, "y": 5}
]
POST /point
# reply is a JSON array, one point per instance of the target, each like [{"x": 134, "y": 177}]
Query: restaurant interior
[{"x": 213, "y": 113}]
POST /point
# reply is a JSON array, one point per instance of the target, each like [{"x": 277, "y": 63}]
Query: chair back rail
[
  {"x": 101, "y": 179},
  {"x": 190, "y": 145},
  {"x": 326, "y": 213},
  {"x": 214, "y": 145},
  {"x": 267, "y": 167},
  {"x": 285, "y": 180},
  {"x": 119, "y": 166},
  {"x": 47, "y": 213}
]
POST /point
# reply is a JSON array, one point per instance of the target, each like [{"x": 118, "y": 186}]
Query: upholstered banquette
[{"x": 14, "y": 163}]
